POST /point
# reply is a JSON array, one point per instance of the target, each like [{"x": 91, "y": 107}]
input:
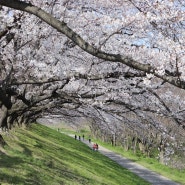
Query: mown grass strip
[{"x": 40, "y": 155}]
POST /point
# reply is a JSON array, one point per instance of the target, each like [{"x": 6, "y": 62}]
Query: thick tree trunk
[
  {"x": 2, "y": 142},
  {"x": 3, "y": 116}
]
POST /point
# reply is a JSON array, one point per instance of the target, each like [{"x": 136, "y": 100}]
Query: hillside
[{"x": 40, "y": 155}]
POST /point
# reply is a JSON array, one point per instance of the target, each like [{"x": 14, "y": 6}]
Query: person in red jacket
[
  {"x": 97, "y": 146},
  {"x": 94, "y": 147}
]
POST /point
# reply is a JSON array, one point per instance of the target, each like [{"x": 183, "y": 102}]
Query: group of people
[
  {"x": 79, "y": 137},
  {"x": 95, "y": 145}
]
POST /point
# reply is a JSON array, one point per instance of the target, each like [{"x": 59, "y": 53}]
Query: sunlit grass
[
  {"x": 40, "y": 155},
  {"x": 150, "y": 163}
]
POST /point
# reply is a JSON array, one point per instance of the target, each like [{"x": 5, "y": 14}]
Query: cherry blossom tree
[{"x": 117, "y": 63}]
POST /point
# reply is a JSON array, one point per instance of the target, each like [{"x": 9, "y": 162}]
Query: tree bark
[
  {"x": 2, "y": 142},
  {"x": 3, "y": 116}
]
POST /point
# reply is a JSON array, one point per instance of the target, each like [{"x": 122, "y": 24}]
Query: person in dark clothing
[
  {"x": 79, "y": 138},
  {"x": 83, "y": 137},
  {"x": 75, "y": 136}
]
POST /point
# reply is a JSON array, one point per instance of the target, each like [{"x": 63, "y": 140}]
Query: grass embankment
[
  {"x": 40, "y": 155},
  {"x": 150, "y": 163}
]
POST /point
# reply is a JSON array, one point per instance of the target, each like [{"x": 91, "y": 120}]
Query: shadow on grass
[
  {"x": 9, "y": 162},
  {"x": 27, "y": 151},
  {"x": 31, "y": 178},
  {"x": 5, "y": 178}
]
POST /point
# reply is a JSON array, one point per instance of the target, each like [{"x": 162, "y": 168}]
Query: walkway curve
[{"x": 148, "y": 175}]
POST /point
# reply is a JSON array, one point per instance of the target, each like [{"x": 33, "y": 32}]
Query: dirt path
[{"x": 137, "y": 169}]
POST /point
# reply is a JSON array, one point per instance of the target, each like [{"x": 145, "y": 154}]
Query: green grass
[
  {"x": 150, "y": 163},
  {"x": 41, "y": 155}
]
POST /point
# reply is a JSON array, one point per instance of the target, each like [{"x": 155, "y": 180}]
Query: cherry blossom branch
[{"x": 62, "y": 27}]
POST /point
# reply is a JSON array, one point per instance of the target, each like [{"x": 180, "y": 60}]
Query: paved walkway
[{"x": 137, "y": 169}]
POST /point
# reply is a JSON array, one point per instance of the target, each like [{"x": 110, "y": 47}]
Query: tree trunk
[
  {"x": 2, "y": 142},
  {"x": 161, "y": 150},
  {"x": 3, "y": 116},
  {"x": 134, "y": 144},
  {"x": 115, "y": 139},
  {"x": 141, "y": 147},
  {"x": 126, "y": 144},
  {"x": 161, "y": 154}
]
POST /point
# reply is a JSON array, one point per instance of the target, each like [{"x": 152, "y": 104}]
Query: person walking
[
  {"x": 94, "y": 147},
  {"x": 89, "y": 140},
  {"x": 97, "y": 147}
]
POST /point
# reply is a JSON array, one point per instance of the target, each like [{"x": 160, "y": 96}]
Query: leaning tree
[{"x": 116, "y": 63}]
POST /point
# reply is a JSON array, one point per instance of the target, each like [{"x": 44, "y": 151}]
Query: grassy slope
[
  {"x": 40, "y": 155},
  {"x": 150, "y": 163}
]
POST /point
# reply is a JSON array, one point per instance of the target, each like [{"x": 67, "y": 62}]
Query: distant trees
[{"x": 123, "y": 71}]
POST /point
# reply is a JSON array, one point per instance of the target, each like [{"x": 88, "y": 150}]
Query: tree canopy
[{"x": 119, "y": 64}]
